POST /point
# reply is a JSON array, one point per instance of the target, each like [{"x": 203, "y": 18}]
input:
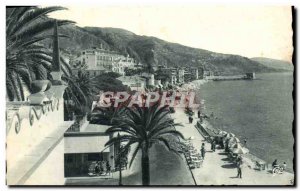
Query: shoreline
[
  {"x": 215, "y": 162},
  {"x": 196, "y": 86}
]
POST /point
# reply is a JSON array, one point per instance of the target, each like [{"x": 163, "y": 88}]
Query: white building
[
  {"x": 135, "y": 83},
  {"x": 98, "y": 60}
]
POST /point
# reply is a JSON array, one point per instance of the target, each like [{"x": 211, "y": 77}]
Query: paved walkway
[
  {"x": 217, "y": 170},
  {"x": 167, "y": 168}
]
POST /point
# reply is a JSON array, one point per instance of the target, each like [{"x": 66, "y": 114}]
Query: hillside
[
  {"x": 273, "y": 63},
  {"x": 153, "y": 51}
]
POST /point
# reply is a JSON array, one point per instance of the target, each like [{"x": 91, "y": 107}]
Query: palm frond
[{"x": 32, "y": 16}]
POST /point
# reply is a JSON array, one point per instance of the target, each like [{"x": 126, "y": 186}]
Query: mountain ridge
[
  {"x": 275, "y": 63},
  {"x": 152, "y": 51}
]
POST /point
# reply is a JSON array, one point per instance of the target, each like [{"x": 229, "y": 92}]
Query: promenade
[
  {"x": 217, "y": 170},
  {"x": 167, "y": 168}
]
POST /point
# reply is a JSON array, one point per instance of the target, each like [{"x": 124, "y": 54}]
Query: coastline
[
  {"x": 226, "y": 170},
  {"x": 196, "y": 86}
]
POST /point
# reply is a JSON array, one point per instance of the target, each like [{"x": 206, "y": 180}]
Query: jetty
[{"x": 247, "y": 76}]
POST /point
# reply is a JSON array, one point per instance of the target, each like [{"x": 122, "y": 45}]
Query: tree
[
  {"x": 79, "y": 93},
  {"x": 108, "y": 82},
  {"x": 26, "y": 58},
  {"x": 145, "y": 127}
]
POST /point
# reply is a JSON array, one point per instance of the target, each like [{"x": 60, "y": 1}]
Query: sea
[{"x": 259, "y": 111}]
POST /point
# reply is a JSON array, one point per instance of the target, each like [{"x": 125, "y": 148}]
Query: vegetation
[
  {"x": 109, "y": 82},
  {"x": 26, "y": 58},
  {"x": 79, "y": 93},
  {"x": 144, "y": 127}
]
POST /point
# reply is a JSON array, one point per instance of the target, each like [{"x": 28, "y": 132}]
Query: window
[{"x": 69, "y": 158}]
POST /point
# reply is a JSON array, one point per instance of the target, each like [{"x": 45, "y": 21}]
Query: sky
[{"x": 251, "y": 31}]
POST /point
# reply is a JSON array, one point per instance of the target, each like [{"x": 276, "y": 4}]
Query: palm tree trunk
[{"x": 145, "y": 167}]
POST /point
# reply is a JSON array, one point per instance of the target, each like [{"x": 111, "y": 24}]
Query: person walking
[
  {"x": 213, "y": 146},
  {"x": 190, "y": 119},
  {"x": 199, "y": 114},
  {"x": 239, "y": 169},
  {"x": 203, "y": 150}
]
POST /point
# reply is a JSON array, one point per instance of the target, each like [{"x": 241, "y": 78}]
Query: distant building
[
  {"x": 172, "y": 72},
  {"x": 136, "y": 83},
  {"x": 180, "y": 74},
  {"x": 149, "y": 79},
  {"x": 96, "y": 61},
  {"x": 250, "y": 76}
]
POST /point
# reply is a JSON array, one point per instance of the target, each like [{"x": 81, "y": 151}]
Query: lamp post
[{"x": 120, "y": 165}]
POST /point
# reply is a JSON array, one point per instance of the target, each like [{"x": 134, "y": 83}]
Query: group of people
[{"x": 99, "y": 168}]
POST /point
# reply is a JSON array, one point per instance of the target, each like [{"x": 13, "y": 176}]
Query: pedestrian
[
  {"x": 199, "y": 114},
  {"x": 245, "y": 142},
  {"x": 108, "y": 168},
  {"x": 239, "y": 169},
  {"x": 190, "y": 119},
  {"x": 284, "y": 165},
  {"x": 97, "y": 169},
  {"x": 213, "y": 146},
  {"x": 274, "y": 164},
  {"x": 203, "y": 150},
  {"x": 101, "y": 168}
]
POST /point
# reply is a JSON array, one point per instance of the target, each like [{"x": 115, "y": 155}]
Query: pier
[{"x": 247, "y": 76}]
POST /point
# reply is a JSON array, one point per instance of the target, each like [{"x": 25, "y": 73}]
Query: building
[
  {"x": 172, "y": 72},
  {"x": 180, "y": 74},
  {"x": 35, "y": 129},
  {"x": 41, "y": 147},
  {"x": 250, "y": 76},
  {"x": 96, "y": 61},
  {"x": 83, "y": 147},
  {"x": 135, "y": 83}
]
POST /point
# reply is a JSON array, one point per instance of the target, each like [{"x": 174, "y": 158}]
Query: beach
[{"x": 258, "y": 111}]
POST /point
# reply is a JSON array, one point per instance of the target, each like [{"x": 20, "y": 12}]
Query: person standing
[
  {"x": 203, "y": 150},
  {"x": 274, "y": 164},
  {"x": 199, "y": 114},
  {"x": 213, "y": 146},
  {"x": 239, "y": 169},
  {"x": 190, "y": 119},
  {"x": 108, "y": 168},
  {"x": 97, "y": 170}
]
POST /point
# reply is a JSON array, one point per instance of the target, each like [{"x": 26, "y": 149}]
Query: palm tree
[
  {"x": 145, "y": 127},
  {"x": 80, "y": 91},
  {"x": 26, "y": 58}
]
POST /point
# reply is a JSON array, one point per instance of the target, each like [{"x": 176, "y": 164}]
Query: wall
[{"x": 51, "y": 171}]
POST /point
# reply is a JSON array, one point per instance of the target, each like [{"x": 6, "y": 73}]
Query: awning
[{"x": 86, "y": 144}]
